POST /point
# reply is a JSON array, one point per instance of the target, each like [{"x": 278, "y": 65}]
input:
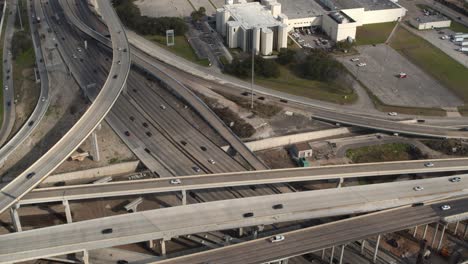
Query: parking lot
[
  {"x": 308, "y": 38},
  {"x": 380, "y": 75}
]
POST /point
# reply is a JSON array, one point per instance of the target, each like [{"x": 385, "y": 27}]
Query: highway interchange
[{"x": 175, "y": 134}]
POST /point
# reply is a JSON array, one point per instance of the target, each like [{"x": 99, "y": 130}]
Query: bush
[
  {"x": 286, "y": 56},
  {"x": 199, "y": 14},
  {"x": 240, "y": 128},
  {"x": 242, "y": 68}
]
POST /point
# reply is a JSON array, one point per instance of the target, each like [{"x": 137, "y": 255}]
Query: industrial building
[
  {"x": 430, "y": 22},
  {"x": 264, "y": 26}
]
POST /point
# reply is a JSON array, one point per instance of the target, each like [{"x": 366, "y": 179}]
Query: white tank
[{"x": 229, "y": 2}]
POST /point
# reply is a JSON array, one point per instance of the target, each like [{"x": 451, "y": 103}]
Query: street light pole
[{"x": 252, "y": 84}]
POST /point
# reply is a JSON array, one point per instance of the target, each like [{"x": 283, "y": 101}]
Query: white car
[
  {"x": 393, "y": 114},
  {"x": 163, "y": 107},
  {"x": 196, "y": 169},
  {"x": 418, "y": 188},
  {"x": 354, "y": 59},
  {"x": 43, "y": 99},
  {"x": 212, "y": 161},
  {"x": 175, "y": 181},
  {"x": 445, "y": 207},
  {"x": 428, "y": 164},
  {"x": 277, "y": 238},
  {"x": 361, "y": 64},
  {"x": 455, "y": 179},
  {"x": 6, "y": 87}
]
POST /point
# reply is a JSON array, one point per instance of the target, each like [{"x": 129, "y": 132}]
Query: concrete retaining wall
[
  {"x": 275, "y": 142},
  {"x": 89, "y": 175}
]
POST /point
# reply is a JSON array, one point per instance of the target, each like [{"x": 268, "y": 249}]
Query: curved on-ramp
[{"x": 114, "y": 84}]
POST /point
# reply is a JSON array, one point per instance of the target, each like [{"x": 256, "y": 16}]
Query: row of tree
[
  {"x": 242, "y": 68},
  {"x": 131, "y": 16}
]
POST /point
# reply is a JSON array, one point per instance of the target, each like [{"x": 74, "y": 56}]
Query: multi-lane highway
[
  {"x": 43, "y": 101},
  {"x": 221, "y": 215},
  {"x": 87, "y": 191},
  {"x": 9, "y": 114},
  {"x": 310, "y": 239},
  {"x": 27, "y": 180}
]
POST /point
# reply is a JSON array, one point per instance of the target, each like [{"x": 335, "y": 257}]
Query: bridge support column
[
  {"x": 435, "y": 235},
  {"x": 184, "y": 197},
  {"x": 342, "y": 254},
  {"x": 151, "y": 244},
  {"x": 441, "y": 237},
  {"x": 415, "y": 231},
  {"x": 284, "y": 261},
  {"x": 162, "y": 247},
  {"x": 340, "y": 183},
  {"x": 331, "y": 254},
  {"x": 94, "y": 144},
  {"x": 425, "y": 232},
  {"x": 85, "y": 257},
  {"x": 376, "y": 251},
  {"x": 323, "y": 254},
  {"x": 67, "y": 211},
  {"x": 260, "y": 228},
  {"x": 363, "y": 245},
  {"x": 241, "y": 231},
  {"x": 15, "y": 218},
  {"x": 255, "y": 233},
  {"x": 456, "y": 227}
]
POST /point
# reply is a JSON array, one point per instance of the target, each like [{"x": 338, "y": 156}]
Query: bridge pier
[
  {"x": 376, "y": 251},
  {"x": 67, "y": 211},
  {"x": 342, "y": 254},
  {"x": 162, "y": 247},
  {"x": 363, "y": 245},
  {"x": 241, "y": 231},
  {"x": 95, "y": 147},
  {"x": 425, "y": 231},
  {"x": 86, "y": 257},
  {"x": 441, "y": 237},
  {"x": 435, "y": 235},
  {"x": 456, "y": 227},
  {"x": 331, "y": 254},
  {"x": 415, "y": 230},
  {"x": 323, "y": 254},
  {"x": 340, "y": 183},
  {"x": 15, "y": 218},
  {"x": 184, "y": 197}
]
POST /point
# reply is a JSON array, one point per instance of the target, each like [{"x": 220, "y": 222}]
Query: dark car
[
  {"x": 203, "y": 148},
  {"x": 107, "y": 231},
  {"x": 149, "y": 134},
  {"x": 250, "y": 214},
  {"x": 9, "y": 103},
  {"x": 261, "y": 98},
  {"x": 30, "y": 123},
  {"x": 417, "y": 204},
  {"x": 132, "y": 118},
  {"x": 30, "y": 175},
  {"x": 183, "y": 142},
  {"x": 127, "y": 133},
  {"x": 147, "y": 150},
  {"x": 145, "y": 124},
  {"x": 122, "y": 261},
  {"x": 283, "y": 101},
  {"x": 278, "y": 206}
]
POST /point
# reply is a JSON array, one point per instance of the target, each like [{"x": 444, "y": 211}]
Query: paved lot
[
  {"x": 380, "y": 75},
  {"x": 178, "y": 8}
]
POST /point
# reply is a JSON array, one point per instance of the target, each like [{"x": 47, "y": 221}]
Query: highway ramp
[
  {"x": 115, "y": 82},
  {"x": 221, "y": 215}
]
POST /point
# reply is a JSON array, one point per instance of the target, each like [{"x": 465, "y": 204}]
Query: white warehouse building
[
  {"x": 337, "y": 18},
  {"x": 246, "y": 25}
]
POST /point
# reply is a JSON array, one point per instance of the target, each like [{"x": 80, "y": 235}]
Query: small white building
[
  {"x": 252, "y": 25},
  {"x": 430, "y": 22}
]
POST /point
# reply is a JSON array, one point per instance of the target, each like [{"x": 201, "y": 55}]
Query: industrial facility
[
  {"x": 430, "y": 22},
  {"x": 264, "y": 26}
]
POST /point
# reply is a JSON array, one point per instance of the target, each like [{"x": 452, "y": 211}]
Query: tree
[
  {"x": 199, "y": 14},
  {"x": 320, "y": 66},
  {"x": 286, "y": 56}
]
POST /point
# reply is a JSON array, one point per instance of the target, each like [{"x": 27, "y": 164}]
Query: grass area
[
  {"x": 181, "y": 48},
  {"x": 408, "y": 110},
  {"x": 384, "y": 152},
  {"x": 288, "y": 82},
  {"x": 457, "y": 27},
  {"x": 433, "y": 61},
  {"x": 374, "y": 33}
]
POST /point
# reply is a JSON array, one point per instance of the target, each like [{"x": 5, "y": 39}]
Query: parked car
[
  {"x": 354, "y": 59},
  {"x": 361, "y": 64},
  {"x": 277, "y": 238},
  {"x": 445, "y": 207},
  {"x": 418, "y": 188}
]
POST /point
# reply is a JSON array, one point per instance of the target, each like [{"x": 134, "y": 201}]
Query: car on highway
[
  {"x": 175, "y": 181},
  {"x": 277, "y": 206},
  {"x": 74, "y": 56},
  {"x": 196, "y": 169},
  {"x": 6, "y": 87},
  {"x": 122, "y": 261},
  {"x": 418, "y": 188},
  {"x": 9, "y": 103},
  {"x": 149, "y": 134},
  {"x": 249, "y": 214},
  {"x": 392, "y": 113},
  {"x": 107, "y": 231},
  {"x": 417, "y": 204},
  {"x": 455, "y": 179},
  {"x": 277, "y": 238},
  {"x": 212, "y": 161},
  {"x": 132, "y": 118},
  {"x": 79, "y": 49},
  {"x": 163, "y": 107},
  {"x": 429, "y": 164},
  {"x": 354, "y": 59},
  {"x": 445, "y": 207},
  {"x": 127, "y": 133},
  {"x": 361, "y": 64},
  {"x": 30, "y": 175},
  {"x": 147, "y": 150},
  {"x": 145, "y": 124},
  {"x": 402, "y": 75},
  {"x": 43, "y": 99},
  {"x": 31, "y": 123}
]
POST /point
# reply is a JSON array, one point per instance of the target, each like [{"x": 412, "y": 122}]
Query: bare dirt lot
[{"x": 380, "y": 75}]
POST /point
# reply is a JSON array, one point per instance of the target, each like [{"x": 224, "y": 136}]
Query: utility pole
[
  {"x": 18, "y": 10},
  {"x": 252, "y": 84}
]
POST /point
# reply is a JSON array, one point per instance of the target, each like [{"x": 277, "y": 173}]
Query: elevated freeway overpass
[
  {"x": 220, "y": 215},
  {"x": 115, "y": 82},
  {"x": 337, "y": 172}
]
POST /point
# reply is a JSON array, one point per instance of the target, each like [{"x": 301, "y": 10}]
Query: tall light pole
[
  {"x": 252, "y": 84},
  {"x": 18, "y": 10}
]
